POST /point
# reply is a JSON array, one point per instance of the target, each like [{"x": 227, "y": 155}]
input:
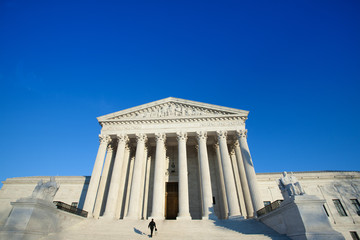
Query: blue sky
[{"x": 295, "y": 65}]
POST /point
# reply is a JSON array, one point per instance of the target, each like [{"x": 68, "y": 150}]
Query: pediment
[{"x": 170, "y": 108}]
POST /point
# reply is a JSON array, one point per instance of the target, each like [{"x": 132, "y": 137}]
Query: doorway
[{"x": 171, "y": 200}]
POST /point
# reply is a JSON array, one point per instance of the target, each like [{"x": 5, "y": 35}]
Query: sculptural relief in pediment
[{"x": 171, "y": 110}]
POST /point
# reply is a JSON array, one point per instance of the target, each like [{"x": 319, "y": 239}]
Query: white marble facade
[
  {"x": 201, "y": 148},
  {"x": 328, "y": 185}
]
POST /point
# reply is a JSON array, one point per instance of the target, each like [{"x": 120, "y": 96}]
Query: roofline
[{"x": 172, "y": 99}]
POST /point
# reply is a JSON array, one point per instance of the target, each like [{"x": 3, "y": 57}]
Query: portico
[{"x": 173, "y": 155}]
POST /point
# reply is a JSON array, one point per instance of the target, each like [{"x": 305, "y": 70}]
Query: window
[
  {"x": 339, "y": 207},
  {"x": 325, "y": 210},
  {"x": 356, "y": 204},
  {"x": 354, "y": 236},
  {"x": 266, "y": 203}
]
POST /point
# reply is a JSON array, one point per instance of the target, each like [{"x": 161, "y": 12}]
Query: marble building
[
  {"x": 176, "y": 159},
  {"x": 173, "y": 158}
]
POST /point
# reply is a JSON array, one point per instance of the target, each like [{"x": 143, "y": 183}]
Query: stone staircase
[{"x": 103, "y": 229}]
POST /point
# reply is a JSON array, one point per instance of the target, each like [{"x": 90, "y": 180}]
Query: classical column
[
  {"x": 146, "y": 185},
  {"x": 223, "y": 200},
  {"x": 237, "y": 181},
  {"x": 204, "y": 176},
  {"x": 128, "y": 185},
  {"x": 121, "y": 198},
  {"x": 103, "y": 181},
  {"x": 159, "y": 175},
  {"x": 95, "y": 176},
  {"x": 184, "y": 212},
  {"x": 134, "y": 202},
  {"x": 243, "y": 181},
  {"x": 230, "y": 188},
  {"x": 250, "y": 171},
  {"x": 110, "y": 211},
  {"x": 143, "y": 182}
]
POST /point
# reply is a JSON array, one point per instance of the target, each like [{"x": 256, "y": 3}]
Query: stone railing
[
  {"x": 67, "y": 208},
  {"x": 271, "y": 207}
]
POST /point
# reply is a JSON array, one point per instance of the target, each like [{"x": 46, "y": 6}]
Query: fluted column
[
  {"x": 243, "y": 181},
  {"x": 184, "y": 212},
  {"x": 126, "y": 196},
  {"x": 115, "y": 182},
  {"x": 250, "y": 171},
  {"x": 134, "y": 203},
  {"x": 143, "y": 182},
  {"x": 159, "y": 178},
  {"x": 95, "y": 175},
  {"x": 103, "y": 180},
  {"x": 237, "y": 181},
  {"x": 121, "y": 198},
  {"x": 223, "y": 201},
  {"x": 146, "y": 185},
  {"x": 230, "y": 188},
  {"x": 204, "y": 176}
]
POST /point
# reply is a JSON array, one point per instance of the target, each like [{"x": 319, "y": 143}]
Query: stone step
[{"x": 91, "y": 229}]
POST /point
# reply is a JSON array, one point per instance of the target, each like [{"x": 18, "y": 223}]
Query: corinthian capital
[
  {"x": 201, "y": 135},
  {"x": 236, "y": 142},
  {"x": 122, "y": 138},
  {"x": 221, "y": 134},
  {"x": 110, "y": 147},
  {"x": 141, "y": 137},
  {"x": 104, "y": 138},
  {"x": 160, "y": 137},
  {"x": 181, "y": 136},
  {"x": 241, "y": 133}
]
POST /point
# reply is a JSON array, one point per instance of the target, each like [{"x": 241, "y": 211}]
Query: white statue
[
  {"x": 290, "y": 186},
  {"x": 45, "y": 191}
]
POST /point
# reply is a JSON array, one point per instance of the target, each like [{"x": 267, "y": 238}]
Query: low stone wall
[
  {"x": 301, "y": 218},
  {"x": 31, "y": 219}
]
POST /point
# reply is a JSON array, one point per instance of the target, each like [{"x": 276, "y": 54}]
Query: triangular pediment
[{"x": 172, "y": 108}]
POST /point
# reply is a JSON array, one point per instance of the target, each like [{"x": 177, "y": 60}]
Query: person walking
[{"x": 152, "y": 225}]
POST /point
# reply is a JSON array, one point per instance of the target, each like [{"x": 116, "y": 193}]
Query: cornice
[{"x": 171, "y": 120}]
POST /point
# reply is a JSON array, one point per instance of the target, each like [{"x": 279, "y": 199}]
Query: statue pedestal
[
  {"x": 30, "y": 218},
  {"x": 302, "y": 217}
]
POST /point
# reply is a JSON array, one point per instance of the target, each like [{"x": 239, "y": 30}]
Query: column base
[
  {"x": 156, "y": 218},
  {"x": 132, "y": 217},
  {"x": 184, "y": 217},
  {"x": 109, "y": 217}
]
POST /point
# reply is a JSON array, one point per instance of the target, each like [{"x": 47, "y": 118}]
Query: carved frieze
[{"x": 171, "y": 109}]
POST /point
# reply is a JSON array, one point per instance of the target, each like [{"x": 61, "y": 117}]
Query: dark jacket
[{"x": 152, "y": 224}]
